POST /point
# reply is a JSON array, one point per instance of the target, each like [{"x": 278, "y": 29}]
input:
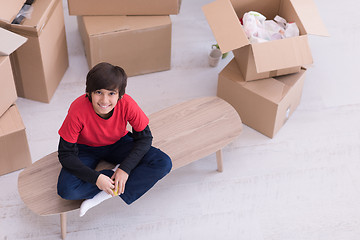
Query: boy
[{"x": 95, "y": 129}]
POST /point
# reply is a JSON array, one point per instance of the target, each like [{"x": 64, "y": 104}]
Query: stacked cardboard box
[
  {"x": 39, "y": 64},
  {"x": 9, "y": 42},
  {"x": 116, "y": 31},
  {"x": 264, "y": 105},
  {"x": 251, "y": 82},
  {"x": 123, "y": 7},
  {"x": 14, "y": 149}
]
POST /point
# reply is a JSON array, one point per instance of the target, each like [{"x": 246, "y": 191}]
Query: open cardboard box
[
  {"x": 14, "y": 148},
  {"x": 39, "y": 64},
  {"x": 139, "y": 44},
  {"x": 9, "y": 42},
  {"x": 267, "y": 59},
  {"x": 123, "y": 7},
  {"x": 264, "y": 105}
]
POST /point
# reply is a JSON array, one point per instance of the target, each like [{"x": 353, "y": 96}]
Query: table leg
[
  {"x": 219, "y": 160},
  {"x": 63, "y": 225}
]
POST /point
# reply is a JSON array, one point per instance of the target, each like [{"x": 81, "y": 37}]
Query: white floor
[{"x": 302, "y": 184}]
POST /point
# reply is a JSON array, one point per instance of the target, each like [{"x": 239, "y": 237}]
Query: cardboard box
[
  {"x": 39, "y": 64},
  {"x": 268, "y": 59},
  {"x": 7, "y": 85},
  {"x": 264, "y": 105},
  {"x": 123, "y": 7},
  {"x": 9, "y": 42},
  {"x": 139, "y": 44},
  {"x": 14, "y": 148}
]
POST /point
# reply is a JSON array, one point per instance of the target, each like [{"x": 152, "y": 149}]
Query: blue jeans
[{"x": 153, "y": 166}]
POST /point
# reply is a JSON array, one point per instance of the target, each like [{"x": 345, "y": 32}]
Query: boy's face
[{"x": 104, "y": 101}]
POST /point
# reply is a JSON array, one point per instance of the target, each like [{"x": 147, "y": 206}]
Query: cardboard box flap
[
  {"x": 11, "y": 121},
  {"x": 98, "y": 25},
  {"x": 9, "y": 42},
  {"x": 9, "y": 9},
  {"x": 146, "y": 22},
  {"x": 40, "y": 14},
  {"x": 107, "y": 24},
  {"x": 310, "y": 18},
  {"x": 41, "y": 11},
  {"x": 291, "y": 79},
  {"x": 280, "y": 54},
  {"x": 225, "y": 25},
  {"x": 268, "y": 88},
  {"x": 232, "y": 71}
]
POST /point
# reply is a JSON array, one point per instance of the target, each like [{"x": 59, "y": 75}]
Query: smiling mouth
[{"x": 103, "y": 106}]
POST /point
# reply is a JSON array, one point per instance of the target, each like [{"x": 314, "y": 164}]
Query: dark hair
[{"x": 106, "y": 76}]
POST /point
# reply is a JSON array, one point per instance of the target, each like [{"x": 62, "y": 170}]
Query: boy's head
[{"x": 106, "y": 76}]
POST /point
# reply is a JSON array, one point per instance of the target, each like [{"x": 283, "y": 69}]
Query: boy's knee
[
  {"x": 67, "y": 193},
  {"x": 63, "y": 193},
  {"x": 166, "y": 163}
]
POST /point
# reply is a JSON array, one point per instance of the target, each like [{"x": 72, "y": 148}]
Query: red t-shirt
[{"x": 83, "y": 126}]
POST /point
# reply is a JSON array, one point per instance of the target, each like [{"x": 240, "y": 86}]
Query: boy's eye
[
  {"x": 98, "y": 92},
  {"x": 113, "y": 93}
]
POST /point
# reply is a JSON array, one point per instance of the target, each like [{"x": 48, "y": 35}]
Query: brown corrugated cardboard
[
  {"x": 123, "y": 7},
  {"x": 273, "y": 58},
  {"x": 139, "y": 44},
  {"x": 7, "y": 86},
  {"x": 9, "y": 42},
  {"x": 246, "y": 62},
  {"x": 14, "y": 148},
  {"x": 264, "y": 105},
  {"x": 39, "y": 64}
]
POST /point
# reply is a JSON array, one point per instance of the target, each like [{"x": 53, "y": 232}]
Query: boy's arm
[
  {"x": 142, "y": 144},
  {"x": 68, "y": 157}
]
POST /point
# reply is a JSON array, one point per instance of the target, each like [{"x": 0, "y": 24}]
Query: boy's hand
[
  {"x": 106, "y": 184},
  {"x": 120, "y": 177}
]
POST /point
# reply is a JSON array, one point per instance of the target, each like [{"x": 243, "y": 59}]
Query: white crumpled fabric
[{"x": 258, "y": 29}]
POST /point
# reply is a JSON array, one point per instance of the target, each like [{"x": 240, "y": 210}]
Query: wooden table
[{"x": 187, "y": 132}]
